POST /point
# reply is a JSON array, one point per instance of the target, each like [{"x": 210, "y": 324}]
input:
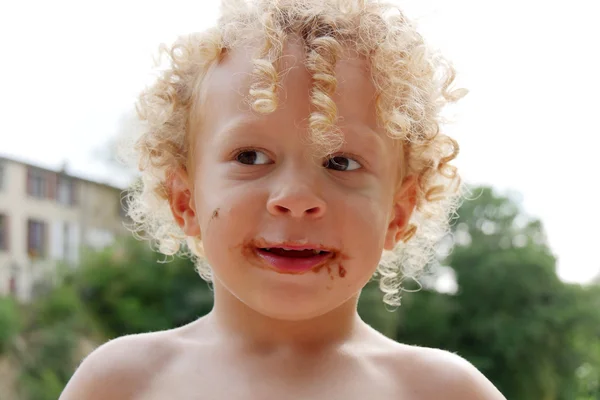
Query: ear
[
  {"x": 180, "y": 199},
  {"x": 402, "y": 209}
]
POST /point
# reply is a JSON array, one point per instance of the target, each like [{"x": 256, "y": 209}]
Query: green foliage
[
  {"x": 45, "y": 387},
  {"x": 9, "y": 323},
  {"x": 118, "y": 291},
  {"x": 587, "y": 340},
  {"x": 374, "y": 312},
  {"x": 48, "y": 363},
  {"x": 128, "y": 290},
  {"x": 54, "y": 325},
  {"x": 511, "y": 317}
]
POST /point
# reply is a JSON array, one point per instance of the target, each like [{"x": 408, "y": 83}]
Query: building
[{"x": 46, "y": 217}]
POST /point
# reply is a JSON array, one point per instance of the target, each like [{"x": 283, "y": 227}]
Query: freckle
[{"x": 341, "y": 271}]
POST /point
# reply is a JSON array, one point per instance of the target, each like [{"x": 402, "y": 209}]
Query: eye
[
  {"x": 340, "y": 163},
  {"x": 252, "y": 157}
]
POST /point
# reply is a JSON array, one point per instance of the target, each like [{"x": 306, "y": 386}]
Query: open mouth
[
  {"x": 294, "y": 253},
  {"x": 288, "y": 260}
]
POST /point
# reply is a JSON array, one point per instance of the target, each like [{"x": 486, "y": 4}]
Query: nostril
[
  {"x": 282, "y": 209},
  {"x": 309, "y": 211},
  {"x": 314, "y": 210},
  {"x": 297, "y": 206}
]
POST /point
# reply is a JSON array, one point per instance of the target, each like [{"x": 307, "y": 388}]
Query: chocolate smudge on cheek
[
  {"x": 318, "y": 269},
  {"x": 341, "y": 271},
  {"x": 329, "y": 272},
  {"x": 215, "y": 214}
]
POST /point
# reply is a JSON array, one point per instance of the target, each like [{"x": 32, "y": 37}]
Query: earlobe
[{"x": 181, "y": 201}]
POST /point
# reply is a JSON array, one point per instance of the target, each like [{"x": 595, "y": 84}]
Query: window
[
  {"x": 3, "y": 232},
  {"x": 37, "y": 185},
  {"x": 65, "y": 191},
  {"x": 36, "y": 239}
]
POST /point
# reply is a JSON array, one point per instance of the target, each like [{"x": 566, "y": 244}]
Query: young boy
[{"x": 295, "y": 149}]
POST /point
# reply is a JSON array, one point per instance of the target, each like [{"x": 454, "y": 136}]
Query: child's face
[{"x": 256, "y": 185}]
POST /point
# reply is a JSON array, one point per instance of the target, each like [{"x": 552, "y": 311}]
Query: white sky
[{"x": 71, "y": 70}]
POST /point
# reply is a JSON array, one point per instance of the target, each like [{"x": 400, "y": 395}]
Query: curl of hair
[{"x": 412, "y": 84}]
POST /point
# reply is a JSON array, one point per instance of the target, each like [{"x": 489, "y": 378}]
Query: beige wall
[
  {"x": 93, "y": 220},
  {"x": 100, "y": 207}
]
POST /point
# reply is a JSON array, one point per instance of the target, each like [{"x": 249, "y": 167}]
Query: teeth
[{"x": 315, "y": 251}]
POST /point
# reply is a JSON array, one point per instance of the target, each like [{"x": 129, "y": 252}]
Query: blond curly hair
[{"x": 412, "y": 85}]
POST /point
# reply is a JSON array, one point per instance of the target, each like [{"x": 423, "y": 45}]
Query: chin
[
  {"x": 291, "y": 311},
  {"x": 295, "y": 302}
]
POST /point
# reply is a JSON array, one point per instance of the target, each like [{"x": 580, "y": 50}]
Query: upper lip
[{"x": 294, "y": 246}]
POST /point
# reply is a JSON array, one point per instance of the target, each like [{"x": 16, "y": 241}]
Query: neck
[{"x": 234, "y": 320}]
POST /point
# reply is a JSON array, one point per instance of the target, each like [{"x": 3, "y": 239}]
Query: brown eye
[
  {"x": 340, "y": 163},
  {"x": 252, "y": 157}
]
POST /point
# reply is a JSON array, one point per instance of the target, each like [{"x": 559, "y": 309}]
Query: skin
[{"x": 270, "y": 334}]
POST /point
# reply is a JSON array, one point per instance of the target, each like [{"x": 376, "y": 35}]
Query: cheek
[
  {"x": 370, "y": 207},
  {"x": 213, "y": 192},
  {"x": 364, "y": 221},
  {"x": 227, "y": 215}
]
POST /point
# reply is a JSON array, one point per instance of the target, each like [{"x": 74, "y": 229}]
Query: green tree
[
  {"x": 587, "y": 340},
  {"x": 9, "y": 323},
  {"x": 511, "y": 316},
  {"x": 121, "y": 290},
  {"x": 374, "y": 312},
  {"x": 127, "y": 289},
  {"x": 53, "y": 327}
]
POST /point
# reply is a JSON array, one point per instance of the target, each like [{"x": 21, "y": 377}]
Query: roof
[{"x": 63, "y": 171}]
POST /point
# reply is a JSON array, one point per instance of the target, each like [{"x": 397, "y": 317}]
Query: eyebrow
[
  {"x": 237, "y": 125},
  {"x": 368, "y": 139}
]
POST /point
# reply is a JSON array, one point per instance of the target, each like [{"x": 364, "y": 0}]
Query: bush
[{"x": 9, "y": 323}]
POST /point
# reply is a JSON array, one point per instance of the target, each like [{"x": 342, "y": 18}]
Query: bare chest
[{"x": 223, "y": 378}]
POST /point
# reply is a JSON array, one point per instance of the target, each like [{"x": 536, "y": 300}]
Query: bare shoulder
[
  {"x": 442, "y": 374},
  {"x": 425, "y": 373},
  {"x": 121, "y": 367}
]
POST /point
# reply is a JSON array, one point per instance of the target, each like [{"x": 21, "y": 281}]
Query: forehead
[{"x": 226, "y": 89}]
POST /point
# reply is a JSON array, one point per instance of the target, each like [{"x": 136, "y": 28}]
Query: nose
[{"x": 297, "y": 200}]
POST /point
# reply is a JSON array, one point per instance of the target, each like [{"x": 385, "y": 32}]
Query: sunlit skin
[
  {"x": 261, "y": 174},
  {"x": 254, "y": 183}
]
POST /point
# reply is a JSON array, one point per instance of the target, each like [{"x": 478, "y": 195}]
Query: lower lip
[{"x": 293, "y": 265}]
